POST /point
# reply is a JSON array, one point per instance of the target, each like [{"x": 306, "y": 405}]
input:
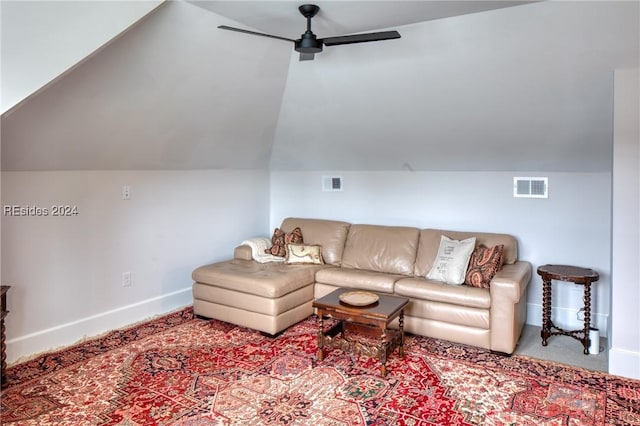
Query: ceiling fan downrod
[{"x": 308, "y": 42}]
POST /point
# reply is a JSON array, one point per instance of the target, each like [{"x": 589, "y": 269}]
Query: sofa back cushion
[
  {"x": 430, "y": 241},
  {"x": 390, "y": 249},
  {"x": 329, "y": 234}
]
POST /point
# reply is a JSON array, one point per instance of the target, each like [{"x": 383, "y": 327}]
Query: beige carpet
[{"x": 562, "y": 349}]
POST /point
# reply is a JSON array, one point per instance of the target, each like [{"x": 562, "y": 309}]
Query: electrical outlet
[
  {"x": 126, "y": 279},
  {"x": 126, "y": 192}
]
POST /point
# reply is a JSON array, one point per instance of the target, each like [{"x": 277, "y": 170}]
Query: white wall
[
  {"x": 571, "y": 227},
  {"x": 43, "y": 39},
  {"x": 66, "y": 272},
  {"x": 624, "y": 356}
]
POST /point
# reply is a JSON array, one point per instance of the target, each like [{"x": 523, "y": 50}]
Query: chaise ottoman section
[{"x": 264, "y": 296}]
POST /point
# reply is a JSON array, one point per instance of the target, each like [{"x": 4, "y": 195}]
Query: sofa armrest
[
  {"x": 511, "y": 281},
  {"x": 508, "y": 311},
  {"x": 242, "y": 252}
]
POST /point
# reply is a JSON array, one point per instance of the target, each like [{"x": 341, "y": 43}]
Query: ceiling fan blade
[
  {"x": 360, "y": 38},
  {"x": 225, "y": 27},
  {"x": 307, "y": 56}
]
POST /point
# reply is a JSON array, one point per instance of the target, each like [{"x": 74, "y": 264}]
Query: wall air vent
[
  {"x": 331, "y": 183},
  {"x": 531, "y": 187}
]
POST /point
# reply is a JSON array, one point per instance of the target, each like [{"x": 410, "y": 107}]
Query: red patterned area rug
[{"x": 180, "y": 370}]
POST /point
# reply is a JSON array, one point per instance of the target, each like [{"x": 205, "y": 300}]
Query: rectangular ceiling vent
[
  {"x": 531, "y": 187},
  {"x": 331, "y": 183}
]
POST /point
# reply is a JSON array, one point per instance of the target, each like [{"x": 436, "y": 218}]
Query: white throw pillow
[
  {"x": 301, "y": 254},
  {"x": 452, "y": 260}
]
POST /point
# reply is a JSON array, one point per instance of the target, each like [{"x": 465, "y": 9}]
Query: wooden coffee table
[{"x": 362, "y": 329}]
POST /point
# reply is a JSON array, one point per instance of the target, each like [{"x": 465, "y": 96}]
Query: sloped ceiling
[
  {"x": 344, "y": 17},
  {"x": 519, "y": 88},
  {"x": 43, "y": 39},
  {"x": 172, "y": 93}
]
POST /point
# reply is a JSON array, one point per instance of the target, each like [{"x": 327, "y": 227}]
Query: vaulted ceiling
[
  {"x": 471, "y": 85},
  {"x": 345, "y": 17}
]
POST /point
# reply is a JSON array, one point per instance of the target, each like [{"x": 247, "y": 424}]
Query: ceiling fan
[{"x": 308, "y": 44}]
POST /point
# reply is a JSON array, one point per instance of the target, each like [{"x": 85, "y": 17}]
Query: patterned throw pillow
[
  {"x": 483, "y": 265},
  {"x": 280, "y": 239},
  {"x": 301, "y": 254}
]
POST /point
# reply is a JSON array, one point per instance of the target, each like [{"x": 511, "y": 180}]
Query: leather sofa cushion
[
  {"x": 446, "y": 312},
  {"x": 444, "y": 330},
  {"x": 464, "y": 295},
  {"x": 251, "y": 302},
  {"x": 430, "y": 241},
  {"x": 355, "y": 278},
  {"x": 329, "y": 234},
  {"x": 269, "y": 280},
  {"x": 390, "y": 249}
]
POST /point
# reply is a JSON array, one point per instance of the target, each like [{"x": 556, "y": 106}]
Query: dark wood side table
[
  {"x": 3, "y": 346},
  {"x": 582, "y": 276},
  {"x": 364, "y": 322}
]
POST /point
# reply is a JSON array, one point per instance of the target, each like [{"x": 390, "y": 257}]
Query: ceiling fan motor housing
[{"x": 308, "y": 43}]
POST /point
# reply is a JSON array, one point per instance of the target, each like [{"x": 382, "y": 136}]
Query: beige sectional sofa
[{"x": 389, "y": 259}]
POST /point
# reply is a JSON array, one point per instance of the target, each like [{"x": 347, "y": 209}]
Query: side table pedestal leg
[
  {"x": 546, "y": 311},
  {"x": 587, "y": 317}
]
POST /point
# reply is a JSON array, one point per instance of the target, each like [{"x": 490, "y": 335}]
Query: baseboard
[
  {"x": 566, "y": 318},
  {"x": 624, "y": 363},
  {"x": 67, "y": 334}
]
